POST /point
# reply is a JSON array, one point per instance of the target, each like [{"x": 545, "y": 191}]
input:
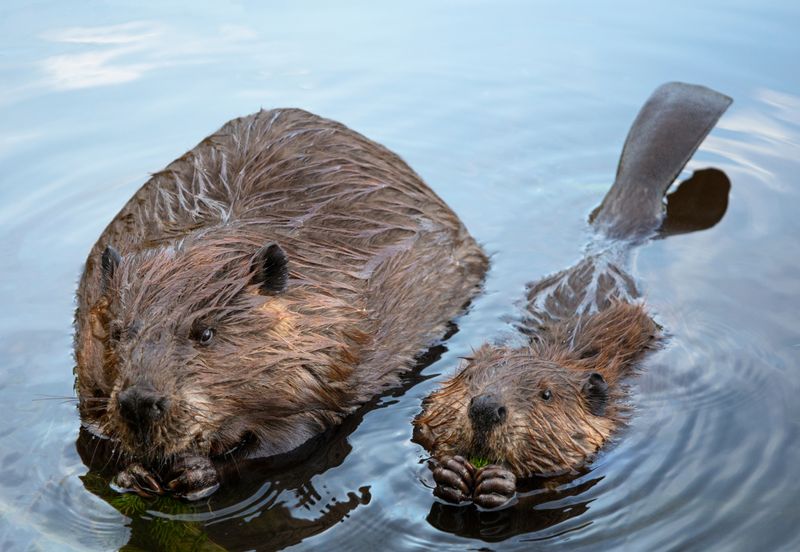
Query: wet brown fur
[
  {"x": 378, "y": 265},
  {"x": 547, "y": 407},
  {"x": 542, "y": 437}
]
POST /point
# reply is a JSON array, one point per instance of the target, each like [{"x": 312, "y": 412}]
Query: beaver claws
[
  {"x": 494, "y": 487},
  {"x": 193, "y": 477},
  {"x": 458, "y": 481},
  {"x": 137, "y": 479},
  {"x": 454, "y": 477}
]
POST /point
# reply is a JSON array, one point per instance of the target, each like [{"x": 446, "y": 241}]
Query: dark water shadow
[
  {"x": 531, "y": 513},
  {"x": 698, "y": 204}
]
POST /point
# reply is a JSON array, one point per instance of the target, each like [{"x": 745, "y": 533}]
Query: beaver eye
[
  {"x": 546, "y": 395},
  {"x": 206, "y": 336}
]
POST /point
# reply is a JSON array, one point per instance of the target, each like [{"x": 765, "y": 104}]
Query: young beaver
[
  {"x": 546, "y": 407},
  {"x": 257, "y": 291}
]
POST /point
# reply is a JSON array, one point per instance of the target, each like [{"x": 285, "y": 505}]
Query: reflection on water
[
  {"x": 287, "y": 505},
  {"x": 514, "y": 113},
  {"x": 169, "y": 524},
  {"x": 117, "y": 54},
  {"x": 697, "y": 204}
]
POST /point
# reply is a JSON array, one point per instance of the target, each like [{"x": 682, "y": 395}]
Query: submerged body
[
  {"x": 548, "y": 406},
  {"x": 258, "y": 290}
]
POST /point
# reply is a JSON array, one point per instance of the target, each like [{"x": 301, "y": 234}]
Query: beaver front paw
[
  {"x": 454, "y": 477},
  {"x": 137, "y": 479},
  {"x": 193, "y": 477},
  {"x": 494, "y": 487}
]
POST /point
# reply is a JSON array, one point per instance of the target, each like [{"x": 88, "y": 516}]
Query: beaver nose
[
  {"x": 140, "y": 405},
  {"x": 486, "y": 411}
]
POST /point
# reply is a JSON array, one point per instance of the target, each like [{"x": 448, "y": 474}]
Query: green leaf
[{"x": 479, "y": 462}]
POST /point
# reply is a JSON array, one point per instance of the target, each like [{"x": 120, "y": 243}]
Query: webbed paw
[
  {"x": 137, "y": 479},
  {"x": 494, "y": 487},
  {"x": 193, "y": 477},
  {"x": 454, "y": 477}
]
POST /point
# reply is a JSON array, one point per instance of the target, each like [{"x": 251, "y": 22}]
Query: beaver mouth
[
  {"x": 95, "y": 429},
  {"x": 480, "y": 461}
]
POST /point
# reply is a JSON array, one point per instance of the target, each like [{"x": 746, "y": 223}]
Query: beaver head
[
  {"x": 205, "y": 343},
  {"x": 542, "y": 409}
]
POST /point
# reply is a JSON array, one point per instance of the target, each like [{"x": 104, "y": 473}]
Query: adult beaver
[
  {"x": 255, "y": 292},
  {"x": 547, "y": 406}
]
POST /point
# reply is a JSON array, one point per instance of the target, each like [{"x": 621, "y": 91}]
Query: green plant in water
[
  {"x": 150, "y": 531},
  {"x": 479, "y": 462}
]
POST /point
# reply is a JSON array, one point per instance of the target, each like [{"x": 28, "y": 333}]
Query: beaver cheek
[{"x": 423, "y": 435}]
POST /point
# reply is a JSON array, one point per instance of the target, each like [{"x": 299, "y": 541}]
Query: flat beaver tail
[{"x": 667, "y": 131}]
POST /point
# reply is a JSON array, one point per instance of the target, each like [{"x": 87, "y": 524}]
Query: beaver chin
[
  {"x": 226, "y": 447},
  {"x": 159, "y": 448},
  {"x": 156, "y": 441},
  {"x": 261, "y": 438}
]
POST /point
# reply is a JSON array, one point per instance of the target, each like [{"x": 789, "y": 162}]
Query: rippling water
[{"x": 515, "y": 113}]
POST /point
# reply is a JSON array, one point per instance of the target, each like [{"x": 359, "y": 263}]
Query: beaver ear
[
  {"x": 271, "y": 268},
  {"x": 109, "y": 261},
  {"x": 595, "y": 390},
  {"x": 422, "y": 434}
]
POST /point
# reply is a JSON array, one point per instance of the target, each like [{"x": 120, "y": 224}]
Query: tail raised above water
[{"x": 667, "y": 131}]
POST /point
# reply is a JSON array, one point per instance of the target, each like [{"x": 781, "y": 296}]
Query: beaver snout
[
  {"x": 141, "y": 404},
  {"x": 486, "y": 411}
]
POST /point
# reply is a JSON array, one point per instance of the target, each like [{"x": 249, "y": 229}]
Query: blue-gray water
[{"x": 515, "y": 113}]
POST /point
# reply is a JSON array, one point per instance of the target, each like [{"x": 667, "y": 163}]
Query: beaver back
[{"x": 377, "y": 265}]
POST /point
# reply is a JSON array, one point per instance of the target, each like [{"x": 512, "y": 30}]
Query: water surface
[{"x": 515, "y": 113}]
